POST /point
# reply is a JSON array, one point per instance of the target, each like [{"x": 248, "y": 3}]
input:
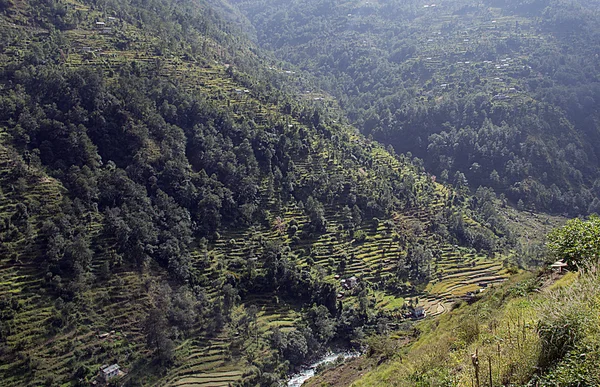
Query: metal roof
[{"x": 111, "y": 368}]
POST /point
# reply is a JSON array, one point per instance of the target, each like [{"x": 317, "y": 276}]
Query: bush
[
  {"x": 570, "y": 315},
  {"x": 360, "y": 236},
  {"x": 577, "y": 241},
  {"x": 578, "y": 368},
  {"x": 469, "y": 331}
]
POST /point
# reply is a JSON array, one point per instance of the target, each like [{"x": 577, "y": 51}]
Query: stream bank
[{"x": 297, "y": 379}]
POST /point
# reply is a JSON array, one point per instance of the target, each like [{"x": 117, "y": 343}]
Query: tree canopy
[{"x": 577, "y": 242}]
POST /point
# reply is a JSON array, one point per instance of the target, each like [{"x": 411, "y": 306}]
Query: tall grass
[
  {"x": 569, "y": 332},
  {"x": 549, "y": 337}
]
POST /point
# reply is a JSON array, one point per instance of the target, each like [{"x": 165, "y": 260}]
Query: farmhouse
[
  {"x": 419, "y": 312},
  {"x": 108, "y": 372},
  {"x": 558, "y": 266},
  {"x": 350, "y": 283}
]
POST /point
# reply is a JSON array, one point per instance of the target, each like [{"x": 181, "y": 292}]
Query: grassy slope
[{"x": 501, "y": 330}]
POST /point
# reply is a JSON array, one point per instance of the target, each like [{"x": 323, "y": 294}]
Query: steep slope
[
  {"x": 518, "y": 334},
  {"x": 503, "y": 93},
  {"x": 167, "y": 206}
]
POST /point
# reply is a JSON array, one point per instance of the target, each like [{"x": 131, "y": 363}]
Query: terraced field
[
  {"x": 455, "y": 273},
  {"x": 108, "y": 316},
  {"x": 36, "y": 314},
  {"x": 117, "y": 304},
  {"x": 204, "y": 362}
]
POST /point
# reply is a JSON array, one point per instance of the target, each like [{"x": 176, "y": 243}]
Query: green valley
[{"x": 181, "y": 206}]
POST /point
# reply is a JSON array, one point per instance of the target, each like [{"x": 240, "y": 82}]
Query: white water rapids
[{"x": 306, "y": 373}]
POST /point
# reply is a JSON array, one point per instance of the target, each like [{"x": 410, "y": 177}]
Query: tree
[
  {"x": 295, "y": 347},
  {"x": 321, "y": 323},
  {"x": 577, "y": 242},
  {"x": 356, "y": 216},
  {"x": 157, "y": 338},
  {"x": 419, "y": 262},
  {"x": 316, "y": 214}
]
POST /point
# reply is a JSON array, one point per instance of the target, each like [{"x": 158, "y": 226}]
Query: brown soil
[{"x": 342, "y": 375}]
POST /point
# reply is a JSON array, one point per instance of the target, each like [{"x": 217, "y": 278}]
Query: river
[{"x": 306, "y": 373}]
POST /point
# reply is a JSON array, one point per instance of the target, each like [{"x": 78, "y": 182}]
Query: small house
[
  {"x": 100, "y": 24},
  {"x": 419, "y": 312},
  {"x": 558, "y": 266},
  {"x": 352, "y": 282},
  {"x": 349, "y": 283},
  {"x": 109, "y": 371}
]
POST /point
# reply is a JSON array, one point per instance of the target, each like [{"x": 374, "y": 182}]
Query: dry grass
[{"x": 556, "y": 331}]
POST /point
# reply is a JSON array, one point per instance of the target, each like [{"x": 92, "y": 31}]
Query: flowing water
[{"x": 306, "y": 373}]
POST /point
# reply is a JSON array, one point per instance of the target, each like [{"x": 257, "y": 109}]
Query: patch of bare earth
[{"x": 342, "y": 375}]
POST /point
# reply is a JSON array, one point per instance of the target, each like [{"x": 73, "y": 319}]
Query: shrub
[
  {"x": 577, "y": 241},
  {"x": 360, "y": 236},
  {"x": 568, "y": 317}
]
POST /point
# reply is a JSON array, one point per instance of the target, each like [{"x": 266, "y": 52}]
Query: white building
[{"x": 109, "y": 371}]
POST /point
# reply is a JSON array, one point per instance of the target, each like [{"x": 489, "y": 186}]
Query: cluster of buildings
[{"x": 103, "y": 26}]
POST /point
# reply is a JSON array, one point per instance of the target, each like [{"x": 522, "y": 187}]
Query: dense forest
[
  {"x": 501, "y": 94},
  {"x": 169, "y": 204}
]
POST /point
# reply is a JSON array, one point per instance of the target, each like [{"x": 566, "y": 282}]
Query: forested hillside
[
  {"x": 168, "y": 204},
  {"x": 501, "y": 94}
]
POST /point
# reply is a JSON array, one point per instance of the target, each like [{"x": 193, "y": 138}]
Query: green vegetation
[
  {"x": 535, "y": 330},
  {"x": 169, "y": 205},
  {"x": 518, "y": 334},
  {"x": 577, "y": 241},
  {"x": 500, "y": 94}
]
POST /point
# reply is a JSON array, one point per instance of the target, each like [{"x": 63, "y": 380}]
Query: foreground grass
[{"x": 532, "y": 330}]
